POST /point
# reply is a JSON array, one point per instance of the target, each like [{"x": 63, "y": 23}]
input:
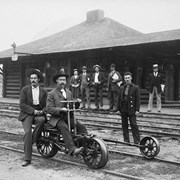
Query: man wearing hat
[
  {"x": 113, "y": 85},
  {"x": 74, "y": 84},
  {"x": 32, "y": 109},
  {"x": 98, "y": 81},
  {"x": 85, "y": 80},
  {"x": 58, "y": 112},
  {"x": 155, "y": 82}
]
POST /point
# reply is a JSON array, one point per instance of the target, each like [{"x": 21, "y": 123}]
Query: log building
[{"x": 98, "y": 40}]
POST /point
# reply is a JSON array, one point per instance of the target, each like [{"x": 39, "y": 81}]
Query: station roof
[{"x": 96, "y": 32}]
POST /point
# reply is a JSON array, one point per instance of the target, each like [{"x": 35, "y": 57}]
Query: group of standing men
[{"x": 84, "y": 81}]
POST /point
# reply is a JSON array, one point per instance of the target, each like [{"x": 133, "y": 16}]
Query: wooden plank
[{"x": 13, "y": 80}]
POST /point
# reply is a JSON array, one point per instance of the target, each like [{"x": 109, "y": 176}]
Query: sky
[{"x": 23, "y": 21}]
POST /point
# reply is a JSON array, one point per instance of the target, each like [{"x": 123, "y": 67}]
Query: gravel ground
[
  {"x": 11, "y": 169},
  {"x": 11, "y": 164}
]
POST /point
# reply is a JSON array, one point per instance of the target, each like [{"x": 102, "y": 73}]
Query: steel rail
[
  {"x": 155, "y": 133},
  {"x": 150, "y": 120},
  {"x": 119, "y": 152},
  {"x": 140, "y": 156},
  {"x": 139, "y": 124},
  {"x": 106, "y": 172}
]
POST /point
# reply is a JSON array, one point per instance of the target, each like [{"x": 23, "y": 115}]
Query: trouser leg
[
  {"x": 83, "y": 96},
  {"x": 96, "y": 96},
  {"x": 27, "y": 138},
  {"x": 88, "y": 95},
  {"x": 76, "y": 92},
  {"x": 39, "y": 121},
  {"x": 124, "y": 118},
  {"x": 63, "y": 127},
  {"x": 158, "y": 96},
  {"x": 101, "y": 96},
  {"x": 134, "y": 128},
  {"x": 111, "y": 100},
  {"x": 150, "y": 103},
  {"x": 115, "y": 97},
  {"x": 81, "y": 129},
  {"x": 73, "y": 91}
]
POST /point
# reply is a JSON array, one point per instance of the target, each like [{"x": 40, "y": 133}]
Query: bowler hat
[
  {"x": 60, "y": 73},
  {"x": 34, "y": 71},
  {"x": 155, "y": 66},
  {"x": 84, "y": 67},
  {"x": 75, "y": 69},
  {"x": 96, "y": 66},
  {"x": 113, "y": 65}
]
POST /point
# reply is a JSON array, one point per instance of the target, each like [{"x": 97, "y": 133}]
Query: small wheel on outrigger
[
  {"x": 45, "y": 146},
  {"x": 149, "y": 147},
  {"x": 95, "y": 154}
]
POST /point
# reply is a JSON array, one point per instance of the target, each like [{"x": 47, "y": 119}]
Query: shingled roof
[{"x": 96, "y": 32}]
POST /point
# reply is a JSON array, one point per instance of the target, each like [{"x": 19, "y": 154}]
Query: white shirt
[
  {"x": 96, "y": 77},
  {"x": 63, "y": 93},
  {"x": 35, "y": 95},
  {"x": 155, "y": 74}
]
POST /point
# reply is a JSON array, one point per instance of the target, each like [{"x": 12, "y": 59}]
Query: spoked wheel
[
  {"x": 150, "y": 147},
  {"x": 95, "y": 154},
  {"x": 45, "y": 145}
]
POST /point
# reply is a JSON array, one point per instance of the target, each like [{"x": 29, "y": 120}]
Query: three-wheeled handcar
[
  {"x": 95, "y": 153},
  {"x": 50, "y": 141}
]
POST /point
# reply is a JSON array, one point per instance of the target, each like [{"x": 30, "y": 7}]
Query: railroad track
[
  {"x": 104, "y": 171},
  {"x": 111, "y": 150}
]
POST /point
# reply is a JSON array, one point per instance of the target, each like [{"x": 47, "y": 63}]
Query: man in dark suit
[
  {"x": 113, "y": 85},
  {"x": 129, "y": 105},
  {"x": 98, "y": 81},
  {"x": 32, "y": 109},
  {"x": 58, "y": 112},
  {"x": 155, "y": 81},
  {"x": 75, "y": 83},
  {"x": 85, "y": 80}
]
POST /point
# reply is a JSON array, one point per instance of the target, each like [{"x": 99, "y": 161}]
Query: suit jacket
[
  {"x": 74, "y": 81},
  {"x": 112, "y": 86},
  {"x": 155, "y": 81},
  {"x": 101, "y": 78},
  {"x": 54, "y": 105},
  {"x": 133, "y": 99},
  {"x": 26, "y": 102},
  {"x": 88, "y": 79}
]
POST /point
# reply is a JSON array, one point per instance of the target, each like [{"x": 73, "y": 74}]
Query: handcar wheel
[
  {"x": 95, "y": 154},
  {"x": 45, "y": 146},
  {"x": 151, "y": 148}
]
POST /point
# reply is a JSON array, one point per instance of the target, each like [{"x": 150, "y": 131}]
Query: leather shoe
[
  {"x": 26, "y": 163},
  {"x": 78, "y": 151}
]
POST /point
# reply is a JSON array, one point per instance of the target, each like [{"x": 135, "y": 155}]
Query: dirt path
[{"x": 41, "y": 169}]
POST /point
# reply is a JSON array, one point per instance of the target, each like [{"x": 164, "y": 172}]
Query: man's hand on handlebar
[{"x": 63, "y": 109}]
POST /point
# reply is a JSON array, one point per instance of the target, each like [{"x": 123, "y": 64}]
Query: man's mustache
[
  {"x": 33, "y": 82},
  {"x": 62, "y": 83}
]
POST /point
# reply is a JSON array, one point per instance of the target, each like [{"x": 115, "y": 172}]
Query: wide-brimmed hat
[
  {"x": 34, "y": 71},
  {"x": 96, "y": 66},
  {"x": 155, "y": 66},
  {"x": 84, "y": 67},
  {"x": 60, "y": 73},
  {"x": 112, "y": 65}
]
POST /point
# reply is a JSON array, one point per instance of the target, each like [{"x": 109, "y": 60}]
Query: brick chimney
[{"x": 95, "y": 16}]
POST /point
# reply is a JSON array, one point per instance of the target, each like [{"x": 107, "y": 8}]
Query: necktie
[{"x": 126, "y": 90}]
